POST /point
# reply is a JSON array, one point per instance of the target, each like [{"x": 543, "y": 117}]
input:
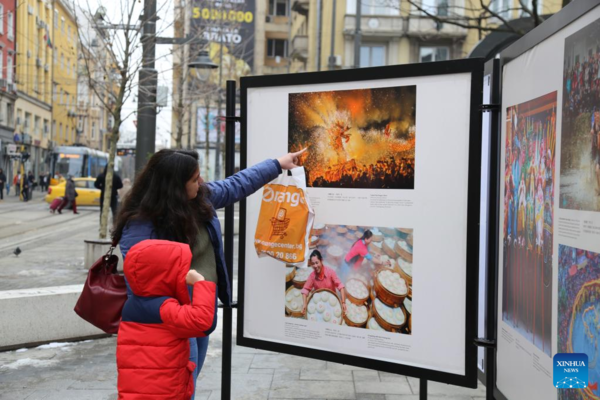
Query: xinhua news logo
[{"x": 570, "y": 370}]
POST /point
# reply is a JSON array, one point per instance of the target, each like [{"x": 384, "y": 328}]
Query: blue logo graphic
[{"x": 570, "y": 370}]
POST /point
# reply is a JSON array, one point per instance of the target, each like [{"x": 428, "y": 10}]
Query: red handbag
[{"x": 104, "y": 293}]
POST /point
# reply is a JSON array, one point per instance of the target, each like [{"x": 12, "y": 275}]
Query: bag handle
[{"x": 109, "y": 253}]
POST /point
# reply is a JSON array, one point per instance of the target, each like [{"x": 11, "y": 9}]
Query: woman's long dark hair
[{"x": 159, "y": 195}]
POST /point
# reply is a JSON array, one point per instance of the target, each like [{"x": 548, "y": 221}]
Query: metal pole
[
  {"x": 319, "y": 32},
  {"x": 357, "y": 35},
  {"x": 146, "y": 127},
  {"x": 219, "y": 103},
  {"x": 422, "y": 389},
  {"x": 228, "y": 311},
  {"x": 331, "y": 65}
]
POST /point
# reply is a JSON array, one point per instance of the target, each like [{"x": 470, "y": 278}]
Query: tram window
[{"x": 70, "y": 164}]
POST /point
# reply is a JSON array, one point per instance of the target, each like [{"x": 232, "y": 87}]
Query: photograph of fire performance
[{"x": 359, "y": 139}]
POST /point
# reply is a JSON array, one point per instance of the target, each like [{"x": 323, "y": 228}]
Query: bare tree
[{"x": 111, "y": 72}]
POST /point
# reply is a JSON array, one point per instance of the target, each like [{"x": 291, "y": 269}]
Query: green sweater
[{"x": 203, "y": 256}]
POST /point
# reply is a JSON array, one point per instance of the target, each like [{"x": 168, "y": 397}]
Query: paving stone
[
  {"x": 326, "y": 375},
  {"x": 14, "y": 394},
  {"x": 73, "y": 395},
  {"x": 281, "y": 361},
  {"x": 286, "y": 375},
  {"x": 240, "y": 383},
  {"x": 383, "y": 387},
  {"x": 268, "y": 371},
  {"x": 332, "y": 365},
  {"x": 387, "y": 377},
  {"x": 311, "y": 390},
  {"x": 437, "y": 388},
  {"x": 370, "y": 396},
  {"x": 200, "y": 395},
  {"x": 369, "y": 376}
]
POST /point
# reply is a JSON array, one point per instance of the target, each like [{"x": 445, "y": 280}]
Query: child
[{"x": 158, "y": 320}]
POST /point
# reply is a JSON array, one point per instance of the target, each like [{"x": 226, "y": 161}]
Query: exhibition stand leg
[
  {"x": 422, "y": 389},
  {"x": 230, "y": 121},
  {"x": 491, "y": 283}
]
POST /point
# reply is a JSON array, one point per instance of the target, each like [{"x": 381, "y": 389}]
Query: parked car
[{"x": 88, "y": 195}]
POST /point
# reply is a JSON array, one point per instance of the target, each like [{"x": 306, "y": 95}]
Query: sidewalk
[{"x": 87, "y": 371}]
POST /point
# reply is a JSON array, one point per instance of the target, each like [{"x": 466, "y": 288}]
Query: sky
[{"x": 163, "y": 65}]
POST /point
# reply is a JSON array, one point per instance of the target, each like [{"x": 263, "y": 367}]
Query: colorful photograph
[
  {"x": 580, "y": 146},
  {"x": 579, "y": 314},
  {"x": 361, "y": 139},
  {"x": 528, "y": 219},
  {"x": 357, "y": 276}
]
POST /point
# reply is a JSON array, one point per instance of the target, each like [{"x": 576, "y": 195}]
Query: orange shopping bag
[{"x": 285, "y": 219}]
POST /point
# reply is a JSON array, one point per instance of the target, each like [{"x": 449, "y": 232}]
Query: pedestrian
[
  {"x": 169, "y": 200},
  {"x": 31, "y": 181},
  {"x": 153, "y": 343},
  {"x": 25, "y": 188},
  {"x": 45, "y": 182},
  {"x": 17, "y": 183},
  {"x": 70, "y": 195},
  {"x": 116, "y": 185},
  {"x": 2, "y": 181}
]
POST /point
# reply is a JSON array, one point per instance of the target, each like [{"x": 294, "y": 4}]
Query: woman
[
  {"x": 358, "y": 252},
  {"x": 70, "y": 196},
  {"x": 169, "y": 200},
  {"x": 322, "y": 278}
]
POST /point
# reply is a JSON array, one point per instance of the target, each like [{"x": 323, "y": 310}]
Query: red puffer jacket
[{"x": 158, "y": 320}]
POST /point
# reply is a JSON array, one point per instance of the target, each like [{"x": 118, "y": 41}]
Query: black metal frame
[
  {"x": 475, "y": 68},
  {"x": 554, "y": 24}
]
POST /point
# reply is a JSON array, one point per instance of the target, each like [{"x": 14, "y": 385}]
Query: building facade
[
  {"x": 8, "y": 90},
  {"x": 34, "y": 80},
  {"x": 392, "y": 32},
  {"x": 64, "y": 77}
]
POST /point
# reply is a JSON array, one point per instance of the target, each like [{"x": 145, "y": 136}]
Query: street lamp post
[{"x": 148, "y": 77}]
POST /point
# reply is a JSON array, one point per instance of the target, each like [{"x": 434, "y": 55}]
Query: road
[{"x": 52, "y": 245}]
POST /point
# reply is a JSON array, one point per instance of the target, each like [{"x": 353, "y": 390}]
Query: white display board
[
  {"x": 426, "y": 119},
  {"x": 549, "y": 267}
]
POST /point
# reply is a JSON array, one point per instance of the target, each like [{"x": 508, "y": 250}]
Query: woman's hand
[
  {"x": 192, "y": 277},
  {"x": 290, "y": 160},
  {"x": 344, "y": 308}
]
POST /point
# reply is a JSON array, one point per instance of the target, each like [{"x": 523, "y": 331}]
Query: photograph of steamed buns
[{"x": 363, "y": 280}]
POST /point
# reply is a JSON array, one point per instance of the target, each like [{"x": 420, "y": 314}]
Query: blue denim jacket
[{"x": 222, "y": 194}]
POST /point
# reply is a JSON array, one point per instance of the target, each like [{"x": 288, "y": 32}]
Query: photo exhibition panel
[{"x": 387, "y": 176}]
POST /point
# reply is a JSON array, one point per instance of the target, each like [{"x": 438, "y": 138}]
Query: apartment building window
[
  {"x": 68, "y": 67},
  {"x": 1, "y": 64},
  {"x": 55, "y": 57},
  {"x": 436, "y": 7},
  {"x": 45, "y": 128},
  {"x": 529, "y": 5},
  {"x": 27, "y": 122},
  {"x": 1, "y": 18},
  {"x": 56, "y": 18},
  {"x": 62, "y": 25},
  {"x": 372, "y": 56},
  {"x": 54, "y": 133},
  {"x": 277, "y": 48},
  {"x": 278, "y": 7},
  {"x": 93, "y": 130},
  {"x": 9, "y": 69},
  {"x": 36, "y": 125},
  {"x": 60, "y": 131},
  {"x": 427, "y": 54},
  {"x": 62, "y": 61},
  {"x": 54, "y": 92},
  {"x": 10, "y": 117},
  {"x": 69, "y": 33},
  {"x": 10, "y": 26},
  {"x": 73, "y": 134},
  {"x": 374, "y": 7}
]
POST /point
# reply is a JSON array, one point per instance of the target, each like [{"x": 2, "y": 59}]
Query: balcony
[
  {"x": 299, "y": 50},
  {"x": 374, "y": 26},
  {"x": 424, "y": 26},
  {"x": 301, "y": 6}
]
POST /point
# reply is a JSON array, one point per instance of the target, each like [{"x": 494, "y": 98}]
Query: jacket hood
[{"x": 158, "y": 268}]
